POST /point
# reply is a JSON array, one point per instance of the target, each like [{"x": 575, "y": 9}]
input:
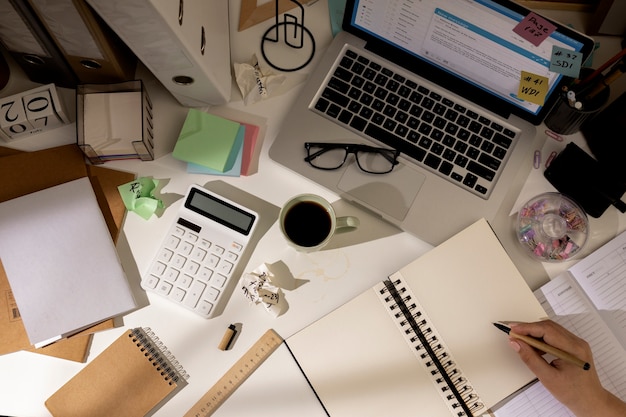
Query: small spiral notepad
[
  {"x": 133, "y": 376},
  {"x": 421, "y": 342}
]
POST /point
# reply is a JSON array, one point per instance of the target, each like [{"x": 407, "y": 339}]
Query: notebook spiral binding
[
  {"x": 455, "y": 389},
  {"x": 156, "y": 352}
]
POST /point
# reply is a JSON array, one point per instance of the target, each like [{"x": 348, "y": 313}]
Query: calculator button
[
  {"x": 236, "y": 246},
  {"x": 178, "y": 261},
  {"x": 204, "y": 307},
  {"x": 184, "y": 281},
  {"x": 212, "y": 261},
  {"x": 225, "y": 267},
  {"x": 151, "y": 282},
  {"x": 166, "y": 255},
  {"x": 199, "y": 254},
  {"x": 158, "y": 268},
  {"x": 164, "y": 288},
  {"x": 218, "y": 249},
  {"x": 232, "y": 257},
  {"x": 172, "y": 242},
  {"x": 171, "y": 274},
  {"x": 192, "y": 268},
  {"x": 205, "y": 244},
  {"x": 179, "y": 231},
  {"x": 194, "y": 294},
  {"x": 178, "y": 294},
  {"x": 218, "y": 280},
  {"x": 211, "y": 294},
  {"x": 185, "y": 248},
  {"x": 192, "y": 237},
  {"x": 205, "y": 274}
]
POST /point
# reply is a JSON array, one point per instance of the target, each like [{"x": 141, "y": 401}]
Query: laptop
[{"x": 437, "y": 80}]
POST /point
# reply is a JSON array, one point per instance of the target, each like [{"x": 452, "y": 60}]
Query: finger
[
  {"x": 551, "y": 332},
  {"x": 533, "y": 359}
]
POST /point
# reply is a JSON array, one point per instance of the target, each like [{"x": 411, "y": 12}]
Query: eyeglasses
[{"x": 370, "y": 159}]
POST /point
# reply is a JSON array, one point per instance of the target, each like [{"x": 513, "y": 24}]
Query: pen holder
[{"x": 566, "y": 117}]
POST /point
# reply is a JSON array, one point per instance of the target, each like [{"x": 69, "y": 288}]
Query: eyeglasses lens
[
  {"x": 327, "y": 159},
  {"x": 375, "y": 162}
]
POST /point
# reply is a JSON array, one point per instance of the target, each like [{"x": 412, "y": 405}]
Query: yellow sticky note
[{"x": 533, "y": 88}]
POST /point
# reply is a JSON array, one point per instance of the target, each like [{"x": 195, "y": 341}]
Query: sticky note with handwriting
[
  {"x": 566, "y": 61},
  {"x": 533, "y": 88},
  {"x": 534, "y": 28},
  {"x": 138, "y": 196}
]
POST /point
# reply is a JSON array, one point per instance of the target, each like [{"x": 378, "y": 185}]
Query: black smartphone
[{"x": 578, "y": 175}]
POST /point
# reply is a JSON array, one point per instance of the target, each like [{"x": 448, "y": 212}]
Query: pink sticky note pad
[
  {"x": 248, "y": 164},
  {"x": 534, "y": 28}
]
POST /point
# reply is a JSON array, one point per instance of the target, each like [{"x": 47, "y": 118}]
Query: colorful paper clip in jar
[{"x": 552, "y": 228}]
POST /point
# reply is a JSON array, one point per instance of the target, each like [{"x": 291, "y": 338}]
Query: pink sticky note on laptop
[{"x": 534, "y": 28}]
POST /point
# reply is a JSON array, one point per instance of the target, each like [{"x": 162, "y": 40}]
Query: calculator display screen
[{"x": 220, "y": 211}]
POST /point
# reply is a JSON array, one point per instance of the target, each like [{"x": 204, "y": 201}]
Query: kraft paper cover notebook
[
  {"x": 366, "y": 358},
  {"x": 133, "y": 376}
]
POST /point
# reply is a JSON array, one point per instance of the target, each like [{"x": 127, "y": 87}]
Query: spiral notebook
[
  {"x": 134, "y": 376},
  {"x": 422, "y": 343}
]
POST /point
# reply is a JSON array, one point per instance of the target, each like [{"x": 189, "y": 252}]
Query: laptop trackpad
[{"x": 392, "y": 193}]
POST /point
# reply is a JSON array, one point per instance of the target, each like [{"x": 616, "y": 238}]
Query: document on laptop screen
[{"x": 473, "y": 40}]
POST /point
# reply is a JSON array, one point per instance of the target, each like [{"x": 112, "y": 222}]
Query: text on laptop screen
[{"x": 472, "y": 39}]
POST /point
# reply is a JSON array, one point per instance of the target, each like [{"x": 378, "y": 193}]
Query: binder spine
[
  {"x": 429, "y": 348},
  {"x": 161, "y": 358},
  {"x": 26, "y": 39}
]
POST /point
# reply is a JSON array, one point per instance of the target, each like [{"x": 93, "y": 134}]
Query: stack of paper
[
  {"x": 23, "y": 173},
  {"x": 215, "y": 145},
  {"x": 61, "y": 262}
]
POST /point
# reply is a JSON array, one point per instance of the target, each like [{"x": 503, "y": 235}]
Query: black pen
[{"x": 538, "y": 344}]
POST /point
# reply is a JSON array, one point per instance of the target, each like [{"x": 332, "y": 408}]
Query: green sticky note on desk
[
  {"x": 235, "y": 171},
  {"x": 207, "y": 140}
]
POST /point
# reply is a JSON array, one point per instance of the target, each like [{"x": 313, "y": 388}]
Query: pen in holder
[{"x": 574, "y": 107}]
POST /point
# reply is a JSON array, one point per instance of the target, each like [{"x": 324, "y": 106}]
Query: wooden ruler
[{"x": 236, "y": 375}]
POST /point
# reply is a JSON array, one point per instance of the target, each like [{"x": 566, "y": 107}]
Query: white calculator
[{"x": 201, "y": 251}]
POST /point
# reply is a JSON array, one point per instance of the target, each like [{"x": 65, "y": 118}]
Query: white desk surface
[{"x": 353, "y": 263}]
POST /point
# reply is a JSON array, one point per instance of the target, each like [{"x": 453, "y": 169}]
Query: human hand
[{"x": 579, "y": 390}]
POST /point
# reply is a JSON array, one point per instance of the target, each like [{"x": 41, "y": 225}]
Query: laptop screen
[{"x": 471, "y": 47}]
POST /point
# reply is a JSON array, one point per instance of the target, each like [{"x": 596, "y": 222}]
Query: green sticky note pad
[
  {"x": 207, "y": 140},
  {"x": 235, "y": 171}
]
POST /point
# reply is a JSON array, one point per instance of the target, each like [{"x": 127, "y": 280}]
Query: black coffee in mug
[{"x": 307, "y": 223}]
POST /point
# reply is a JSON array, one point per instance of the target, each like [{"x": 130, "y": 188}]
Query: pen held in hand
[{"x": 538, "y": 344}]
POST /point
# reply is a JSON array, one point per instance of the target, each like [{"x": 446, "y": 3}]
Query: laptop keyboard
[{"x": 465, "y": 147}]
